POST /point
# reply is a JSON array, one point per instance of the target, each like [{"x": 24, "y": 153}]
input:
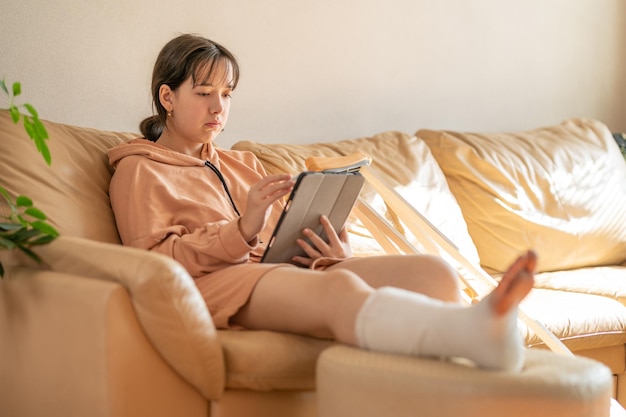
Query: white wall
[{"x": 321, "y": 70}]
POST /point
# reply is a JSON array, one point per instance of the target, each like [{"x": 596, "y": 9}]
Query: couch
[
  {"x": 102, "y": 329},
  {"x": 560, "y": 190}
]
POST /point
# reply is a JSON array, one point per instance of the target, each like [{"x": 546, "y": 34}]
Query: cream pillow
[
  {"x": 560, "y": 190},
  {"x": 403, "y": 161}
]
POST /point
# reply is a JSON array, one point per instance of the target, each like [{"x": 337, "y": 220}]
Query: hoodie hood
[{"x": 159, "y": 153}]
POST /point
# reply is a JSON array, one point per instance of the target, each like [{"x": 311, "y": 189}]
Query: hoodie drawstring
[{"x": 221, "y": 177}]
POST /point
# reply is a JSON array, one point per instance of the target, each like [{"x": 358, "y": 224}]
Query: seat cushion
[
  {"x": 607, "y": 281},
  {"x": 580, "y": 321},
  {"x": 265, "y": 361},
  {"x": 560, "y": 190}
]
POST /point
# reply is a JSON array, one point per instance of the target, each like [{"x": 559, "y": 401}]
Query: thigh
[{"x": 426, "y": 274}]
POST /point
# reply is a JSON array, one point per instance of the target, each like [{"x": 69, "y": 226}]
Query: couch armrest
[
  {"x": 72, "y": 346},
  {"x": 168, "y": 305}
]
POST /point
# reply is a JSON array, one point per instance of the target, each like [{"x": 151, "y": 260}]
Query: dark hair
[{"x": 183, "y": 57}]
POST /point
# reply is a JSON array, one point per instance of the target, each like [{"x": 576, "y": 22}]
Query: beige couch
[
  {"x": 101, "y": 329},
  {"x": 560, "y": 190}
]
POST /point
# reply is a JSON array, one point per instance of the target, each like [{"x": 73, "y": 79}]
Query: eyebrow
[{"x": 229, "y": 85}]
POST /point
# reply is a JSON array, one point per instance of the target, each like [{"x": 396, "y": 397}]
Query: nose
[{"x": 217, "y": 105}]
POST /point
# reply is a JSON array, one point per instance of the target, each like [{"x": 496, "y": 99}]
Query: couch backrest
[
  {"x": 73, "y": 191},
  {"x": 403, "y": 161}
]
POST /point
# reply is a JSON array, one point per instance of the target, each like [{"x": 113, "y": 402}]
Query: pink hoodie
[{"x": 172, "y": 203}]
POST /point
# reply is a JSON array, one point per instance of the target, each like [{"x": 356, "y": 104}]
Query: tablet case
[{"x": 314, "y": 194}]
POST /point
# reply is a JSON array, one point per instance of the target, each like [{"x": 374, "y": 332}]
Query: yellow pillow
[{"x": 560, "y": 190}]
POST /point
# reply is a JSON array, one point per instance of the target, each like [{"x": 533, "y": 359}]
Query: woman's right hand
[{"x": 260, "y": 197}]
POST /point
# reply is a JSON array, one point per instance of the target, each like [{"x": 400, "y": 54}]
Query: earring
[{"x": 169, "y": 113}]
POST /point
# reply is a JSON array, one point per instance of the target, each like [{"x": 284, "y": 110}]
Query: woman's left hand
[{"x": 338, "y": 246}]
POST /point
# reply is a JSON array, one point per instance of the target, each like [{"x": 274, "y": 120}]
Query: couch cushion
[
  {"x": 73, "y": 191},
  {"x": 264, "y": 361},
  {"x": 607, "y": 281},
  {"x": 560, "y": 190},
  {"x": 403, "y": 161},
  {"x": 581, "y": 321}
]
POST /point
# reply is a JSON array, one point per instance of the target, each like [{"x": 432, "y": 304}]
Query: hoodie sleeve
[{"x": 158, "y": 208}]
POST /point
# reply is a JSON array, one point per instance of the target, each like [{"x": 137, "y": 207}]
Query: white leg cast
[{"x": 403, "y": 322}]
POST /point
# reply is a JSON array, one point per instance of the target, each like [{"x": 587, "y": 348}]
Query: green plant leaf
[
  {"x": 16, "y": 230},
  {"x": 22, "y": 236},
  {"x": 43, "y": 149},
  {"x": 30, "y": 253},
  {"x": 9, "y": 227},
  {"x": 45, "y": 228},
  {"x": 18, "y": 235},
  {"x": 23, "y": 201},
  {"x": 43, "y": 240},
  {"x": 17, "y": 89},
  {"x": 37, "y": 131},
  {"x": 42, "y": 133},
  {"x": 21, "y": 220},
  {"x": 6, "y": 243},
  {"x": 36, "y": 213},
  {"x": 15, "y": 113},
  {"x": 31, "y": 110},
  {"x": 30, "y": 127}
]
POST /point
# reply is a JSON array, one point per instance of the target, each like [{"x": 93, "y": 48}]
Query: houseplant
[{"x": 23, "y": 225}]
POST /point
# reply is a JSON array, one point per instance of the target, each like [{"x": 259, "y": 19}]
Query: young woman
[{"x": 211, "y": 209}]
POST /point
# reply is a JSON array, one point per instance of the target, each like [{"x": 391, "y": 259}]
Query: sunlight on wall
[{"x": 327, "y": 70}]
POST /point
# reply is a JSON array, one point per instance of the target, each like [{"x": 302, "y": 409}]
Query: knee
[
  {"x": 446, "y": 279},
  {"x": 429, "y": 275},
  {"x": 341, "y": 282}
]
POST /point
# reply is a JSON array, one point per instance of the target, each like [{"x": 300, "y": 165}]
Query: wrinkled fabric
[
  {"x": 560, "y": 190},
  {"x": 171, "y": 203}
]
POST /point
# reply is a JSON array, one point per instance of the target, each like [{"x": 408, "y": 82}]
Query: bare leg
[
  {"x": 339, "y": 304},
  {"x": 318, "y": 304},
  {"x": 325, "y": 304},
  {"x": 424, "y": 274}
]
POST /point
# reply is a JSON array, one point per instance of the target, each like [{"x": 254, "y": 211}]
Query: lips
[{"x": 213, "y": 125}]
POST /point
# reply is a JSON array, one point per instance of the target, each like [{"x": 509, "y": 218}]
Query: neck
[{"x": 179, "y": 145}]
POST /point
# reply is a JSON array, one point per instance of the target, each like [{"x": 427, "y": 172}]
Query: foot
[
  {"x": 399, "y": 321},
  {"x": 515, "y": 284},
  {"x": 500, "y": 345}
]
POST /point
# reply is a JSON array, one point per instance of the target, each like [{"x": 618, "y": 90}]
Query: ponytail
[{"x": 151, "y": 128}]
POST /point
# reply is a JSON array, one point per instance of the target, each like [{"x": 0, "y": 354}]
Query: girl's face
[{"x": 198, "y": 112}]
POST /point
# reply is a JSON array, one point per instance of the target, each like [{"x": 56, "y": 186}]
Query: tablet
[{"x": 314, "y": 194}]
